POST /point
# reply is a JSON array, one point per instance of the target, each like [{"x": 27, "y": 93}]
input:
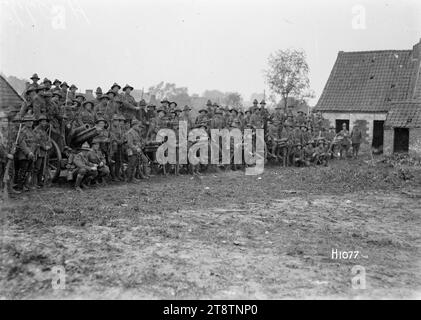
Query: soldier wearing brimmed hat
[
  {"x": 56, "y": 84},
  {"x": 86, "y": 115},
  {"x": 26, "y": 148},
  {"x": 141, "y": 113},
  {"x": 135, "y": 155},
  {"x": 117, "y": 139},
  {"x": 47, "y": 83},
  {"x": 85, "y": 171},
  {"x": 255, "y": 119},
  {"x": 72, "y": 92},
  {"x": 43, "y": 146},
  {"x": 186, "y": 116},
  {"x": 100, "y": 109},
  {"x": 203, "y": 116},
  {"x": 35, "y": 80},
  {"x": 157, "y": 123},
  {"x": 97, "y": 157},
  {"x": 98, "y": 95},
  {"x": 130, "y": 107},
  {"x": 298, "y": 159},
  {"x": 103, "y": 137},
  {"x": 115, "y": 87}
]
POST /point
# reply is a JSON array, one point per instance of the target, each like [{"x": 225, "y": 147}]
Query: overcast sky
[{"x": 202, "y": 45}]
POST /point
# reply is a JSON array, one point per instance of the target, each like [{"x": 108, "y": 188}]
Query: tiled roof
[
  {"x": 404, "y": 114},
  {"x": 368, "y": 81},
  {"x": 9, "y": 98}
]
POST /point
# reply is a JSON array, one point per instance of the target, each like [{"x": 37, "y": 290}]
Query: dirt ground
[{"x": 220, "y": 236}]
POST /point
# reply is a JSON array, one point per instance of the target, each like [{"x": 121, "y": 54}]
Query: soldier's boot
[
  {"x": 27, "y": 182},
  {"x": 144, "y": 171},
  {"x": 78, "y": 182},
  {"x": 112, "y": 172}
]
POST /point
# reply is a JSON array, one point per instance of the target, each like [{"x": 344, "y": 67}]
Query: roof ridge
[{"x": 376, "y": 51}]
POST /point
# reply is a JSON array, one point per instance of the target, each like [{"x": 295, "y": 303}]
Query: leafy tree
[
  {"x": 287, "y": 74},
  {"x": 233, "y": 99}
]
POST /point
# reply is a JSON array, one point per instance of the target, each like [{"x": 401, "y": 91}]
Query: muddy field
[{"x": 220, "y": 236}]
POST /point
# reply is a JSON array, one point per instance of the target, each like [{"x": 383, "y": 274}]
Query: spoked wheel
[{"x": 54, "y": 161}]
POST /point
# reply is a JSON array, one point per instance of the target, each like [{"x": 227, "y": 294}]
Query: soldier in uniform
[
  {"x": 100, "y": 109},
  {"x": 43, "y": 146},
  {"x": 72, "y": 92},
  {"x": 56, "y": 84},
  {"x": 298, "y": 156},
  {"x": 86, "y": 115},
  {"x": 141, "y": 113},
  {"x": 96, "y": 157},
  {"x": 202, "y": 117},
  {"x": 47, "y": 84},
  {"x": 64, "y": 90},
  {"x": 255, "y": 119},
  {"x": 345, "y": 141},
  {"x": 115, "y": 88},
  {"x": 185, "y": 116},
  {"x": 35, "y": 80},
  {"x": 98, "y": 95},
  {"x": 30, "y": 93},
  {"x": 116, "y": 147},
  {"x": 85, "y": 171},
  {"x": 26, "y": 148},
  {"x": 165, "y": 105},
  {"x": 134, "y": 149},
  {"x": 130, "y": 108},
  {"x": 103, "y": 137}
]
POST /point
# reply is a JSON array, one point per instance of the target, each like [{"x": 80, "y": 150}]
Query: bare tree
[{"x": 287, "y": 74}]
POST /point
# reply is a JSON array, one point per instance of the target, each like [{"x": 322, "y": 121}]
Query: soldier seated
[{"x": 97, "y": 157}]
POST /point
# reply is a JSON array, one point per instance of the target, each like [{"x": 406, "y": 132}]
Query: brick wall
[
  {"x": 415, "y": 142},
  {"x": 388, "y": 141}
]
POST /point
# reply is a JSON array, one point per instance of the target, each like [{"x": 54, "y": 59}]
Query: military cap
[
  {"x": 235, "y": 110},
  {"x": 263, "y": 102},
  {"x": 173, "y": 103},
  {"x": 73, "y": 87},
  {"x": 56, "y": 81},
  {"x": 142, "y": 103},
  {"x": 115, "y": 85},
  {"x": 34, "y": 77},
  {"x": 151, "y": 106},
  {"x": 85, "y": 146},
  {"x": 102, "y": 119},
  {"x": 255, "y": 101},
  {"x": 127, "y": 87},
  {"x": 186, "y": 108},
  {"x": 165, "y": 101},
  {"x": 209, "y": 103},
  {"x": 87, "y": 102},
  {"x": 112, "y": 92},
  {"x": 43, "y": 117},
  {"x": 98, "y": 90},
  {"x": 177, "y": 110},
  {"x": 64, "y": 84},
  {"x": 161, "y": 110},
  {"x": 46, "y": 80},
  {"x": 248, "y": 111},
  {"x": 28, "y": 117},
  {"x": 204, "y": 110}
]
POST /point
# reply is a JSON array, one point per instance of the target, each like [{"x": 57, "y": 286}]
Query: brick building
[{"x": 379, "y": 90}]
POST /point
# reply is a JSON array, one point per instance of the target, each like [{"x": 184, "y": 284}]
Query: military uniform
[
  {"x": 98, "y": 158},
  {"x": 85, "y": 170},
  {"x": 134, "y": 150},
  {"x": 117, "y": 140},
  {"x": 129, "y": 108},
  {"x": 26, "y": 148},
  {"x": 43, "y": 146}
]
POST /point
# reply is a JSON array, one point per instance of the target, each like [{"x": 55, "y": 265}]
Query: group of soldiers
[{"x": 53, "y": 110}]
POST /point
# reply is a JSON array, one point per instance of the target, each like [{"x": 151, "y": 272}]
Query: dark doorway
[
  {"x": 401, "y": 140},
  {"x": 378, "y": 133},
  {"x": 339, "y": 123}
]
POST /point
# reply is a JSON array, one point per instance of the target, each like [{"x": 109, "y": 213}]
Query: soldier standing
[
  {"x": 116, "y": 147},
  {"x": 43, "y": 146},
  {"x": 134, "y": 149},
  {"x": 25, "y": 153},
  {"x": 356, "y": 137},
  {"x": 130, "y": 107},
  {"x": 98, "y": 95},
  {"x": 35, "y": 80},
  {"x": 100, "y": 110}
]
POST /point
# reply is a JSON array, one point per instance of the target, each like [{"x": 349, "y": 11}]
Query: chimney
[{"x": 416, "y": 50}]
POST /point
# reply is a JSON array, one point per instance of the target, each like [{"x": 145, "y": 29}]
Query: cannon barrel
[
  {"x": 83, "y": 136},
  {"x": 75, "y": 131}
]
